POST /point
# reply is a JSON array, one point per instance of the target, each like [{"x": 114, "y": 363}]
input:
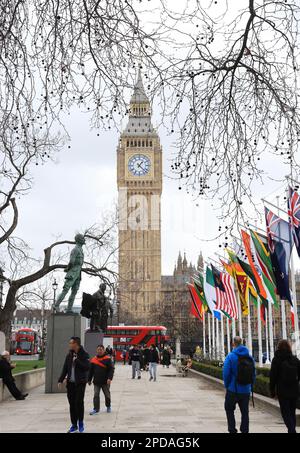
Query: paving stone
[{"x": 172, "y": 404}]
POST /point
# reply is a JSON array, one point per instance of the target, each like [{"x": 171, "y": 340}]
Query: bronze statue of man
[
  {"x": 103, "y": 309},
  {"x": 73, "y": 277}
]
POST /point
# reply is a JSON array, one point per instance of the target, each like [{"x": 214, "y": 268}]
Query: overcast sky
[{"x": 71, "y": 194}]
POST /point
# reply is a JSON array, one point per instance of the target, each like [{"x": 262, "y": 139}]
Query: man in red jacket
[{"x": 101, "y": 374}]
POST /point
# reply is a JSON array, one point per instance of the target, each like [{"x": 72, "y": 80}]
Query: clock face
[{"x": 139, "y": 165}]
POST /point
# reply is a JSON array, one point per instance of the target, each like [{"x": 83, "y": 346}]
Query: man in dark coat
[
  {"x": 101, "y": 374},
  {"x": 284, "y": 383},
  {"x": 166, "y": 357},
  {"x": 75, "y": 372},
  {"x": 6, "y": 368},
  {"x": 146, "y": 353},
  {"x": 135, "y": 360},
  {"x": 153, "y": 362}
]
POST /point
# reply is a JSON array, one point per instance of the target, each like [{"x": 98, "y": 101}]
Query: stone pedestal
[
  {"x": 91, "y": 341},
  {"x": 2, "y": 342},
  {"x": 61, "y": 327}
]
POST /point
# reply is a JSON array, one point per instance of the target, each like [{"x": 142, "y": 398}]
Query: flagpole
[
  {"x": 217, "y": 339},
  {"x": 209, "y": 335},
  {"x": 233, "y": 328},
  {"x": 271, "y": 336},
  {"x": 213, "y": 338},
  {"x": 249, "y": 333},
  {"x": 228, "y": 335},
  {"x": 240, "y": 318},
  {"x": 222, "y": 339},
  {"x": 259, "y": 333},
  {"x": 204, "y": 334},
  {"x": 267, "y": 362},
  {"x": 283, "y": 320},
  {"x": 296, "y": 328},
  {"x": 282, "y": 302}
]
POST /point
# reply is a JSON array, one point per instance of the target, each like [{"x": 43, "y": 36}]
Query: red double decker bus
[
  {"x": 126, "y": 336},
  {"x": 26, "y": 341}
]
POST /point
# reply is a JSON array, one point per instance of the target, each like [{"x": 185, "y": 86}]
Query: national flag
[
  {"x": 253, "y": 298},
  {"x": 241, "y": 280},
  {"x": 228, "y": 267},
  {"x": 242, "y": 283},
  {"x": 210, "y": 292},
  {"x": 225, "y": 298},
  {"x": 248, "y": 270},
  {"x": 221, "y": 297},
  {"x": 280, "y": 244},
  {"x": 262, "y": 252},
  {"x": 232, "y": 307},
  {"x": 294, "y": 216},
  {"x": 293, "y": 316},
  {"x": 247, "y": 243},
  {"x": 196, "y": 305},
  {"x": 199, "y": 286}
]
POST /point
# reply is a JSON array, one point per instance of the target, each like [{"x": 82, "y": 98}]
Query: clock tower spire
[{"x": 139, "y": 162}]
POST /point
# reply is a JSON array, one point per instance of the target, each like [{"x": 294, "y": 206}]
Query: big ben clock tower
[{"x": 139, "y": 161}]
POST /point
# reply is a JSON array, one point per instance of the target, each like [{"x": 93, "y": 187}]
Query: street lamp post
[
  {"x": 42, "y": 355},
  {"x": 54, "y": 286},
  {"x": 118, "y": 313},
  {"x": 1, "y": 287}
]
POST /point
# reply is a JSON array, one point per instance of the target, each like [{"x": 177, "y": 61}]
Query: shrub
[
  {"x": 263, "y": 371},
  {"x": 261, "y": 385},
  {"x": 205, "y": 368}
]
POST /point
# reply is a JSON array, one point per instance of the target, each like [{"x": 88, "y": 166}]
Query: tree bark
[{"x": 7, "y": 312}]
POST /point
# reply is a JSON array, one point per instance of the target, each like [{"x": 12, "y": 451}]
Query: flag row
[{"x": 257, "y": 272}]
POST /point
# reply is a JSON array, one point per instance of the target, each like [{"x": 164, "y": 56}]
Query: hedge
[{"x": 261, "y": 385}]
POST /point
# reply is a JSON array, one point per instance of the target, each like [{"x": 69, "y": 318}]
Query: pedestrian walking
[
  {"x": 6, "y": 368},
  {"x": 124, "y": 355},
  {"x": 101, "y": 374},
  {"x": 239, "y": 377},
  {"x": 166, "y": 356},
  {"x": 146, "y": 352},
  {"x": 75, "y": 374},
  {"x": 111, "y": 352},
  {"x": 135, "y": 360},
  {"x": 284, "y": 382},
  {"x": 153, "y": 362}
]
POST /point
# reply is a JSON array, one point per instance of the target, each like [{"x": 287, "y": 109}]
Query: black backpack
[{"x": 245, "y": 370}]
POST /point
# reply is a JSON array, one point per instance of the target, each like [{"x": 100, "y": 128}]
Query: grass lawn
[{"x": 27, "y": 365}]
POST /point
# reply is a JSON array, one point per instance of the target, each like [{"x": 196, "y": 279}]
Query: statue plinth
[
  {"x": 92, "y": 339},
  {"x": 61, "y": 327}
]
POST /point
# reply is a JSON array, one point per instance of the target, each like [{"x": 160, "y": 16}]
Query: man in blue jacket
[{"x": 238, "y": 376}]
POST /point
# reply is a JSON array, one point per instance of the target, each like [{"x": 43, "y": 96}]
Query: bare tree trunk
[{"x": 7, "y": 312}]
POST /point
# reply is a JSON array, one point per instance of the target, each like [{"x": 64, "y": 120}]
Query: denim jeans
[
  {"x": 152, "y": 369},
  {"x": 136, "y": 368},
  {"x": 231, "y": 400}
]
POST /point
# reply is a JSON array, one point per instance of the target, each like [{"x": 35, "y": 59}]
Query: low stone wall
[{"x": 24, "y": 381}]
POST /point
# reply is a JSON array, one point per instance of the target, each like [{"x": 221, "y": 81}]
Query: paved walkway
[{"x": 172, "y": 404}]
